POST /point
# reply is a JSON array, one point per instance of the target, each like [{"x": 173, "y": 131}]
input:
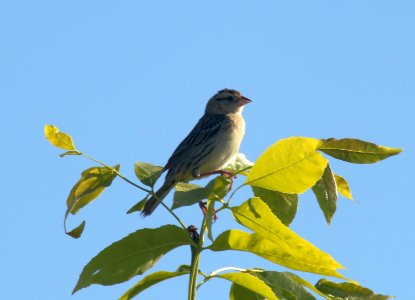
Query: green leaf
[
  {"x": 348, "y": 290},
  {"x": 299, "y": 254},
  {"x": 58, "y": 139},
  {"x": 147, "y": 173},
  {"x": 209, "y": 218},
  {"x": 149, "y": 281},
  {"x": 138, "y": 206},
  {"x": 284, "y": 206},
  {"x": 305, "y": 283},
  {"x": 238, "y": 292},
  {"x": 77, "y": 231},
  {"x": 131, "y": 256},
  {"x": 343, "y": 187},
  {"x": 289, "y": 166},
  {"x": 325, "y": 191},
  {"x": 92, "y": 183},
  {"x": 188, "y": 194},
  {"x": 357, "y": 151},
  {"x": 249, "y": 282},
  {"x": 284, "y": 286},
  {"x": 239, "y": 165}
]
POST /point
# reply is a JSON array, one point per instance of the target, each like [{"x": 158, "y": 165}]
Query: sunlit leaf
[
  {"x": 249, "y": 282},
  {"x": 305, "y": 283},
  {"x": 284, "y": 206},
  {"x": 149, "y": 281},
  {"x": 138, "y": 206},
  {"x": 325, "y": 191},
  {"x": 77, "y": 231},
  {"x": 348, "y": 290},
  {"x": 289, "y": 166},
  {"x": 239, "y": 164},
  {"x": 147, "y": 173},
  {"x": 298, "y": 253},
  {"x": 132, "y": 255},
  {"x": 92, "y": 183},
  {"x": 188, "y": 194},
  {"x": 280, "y": 254},
  {"x": 58, "y": 139},
  {"x": 343, "y": 187},
  {"x": 357, "y": 151}
]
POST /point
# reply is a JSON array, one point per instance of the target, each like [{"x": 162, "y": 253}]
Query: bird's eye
[{"x": 230, "y": 98}]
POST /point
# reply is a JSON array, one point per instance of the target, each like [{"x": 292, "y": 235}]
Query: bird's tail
[{"x": 153, "y": 202}]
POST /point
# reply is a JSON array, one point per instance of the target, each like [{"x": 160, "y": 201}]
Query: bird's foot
[
  {"x": 227, "y": 174},
  {"x": 203, "y": 207}
]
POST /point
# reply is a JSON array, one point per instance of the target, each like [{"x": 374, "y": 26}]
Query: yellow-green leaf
[
  {"x": 250, "y": 282},
  {"x": 325, "y": 191},
  {"x": 284, "y": 206},
  {"x": 58, "y": 139},
  {"x": 132, "y": 255},
  {"x": 357, "y": 151},
  {"x": 348, "y": 290},
  {"x": 289, "y": 166},
  {"x": 343, "y": 187},
  {"x": 298, "y": 253},
  {"x": 147, "y": 173},
  {"x": 277, "y": 253},
  {"x": 149, "y": 281},
  {"x": 92, "y": 183}
]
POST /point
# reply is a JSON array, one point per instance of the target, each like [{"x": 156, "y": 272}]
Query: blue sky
[{"x": 129, "y": 79}]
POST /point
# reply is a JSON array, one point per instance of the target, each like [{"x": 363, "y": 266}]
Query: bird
[{"x": 211, "y": 144}]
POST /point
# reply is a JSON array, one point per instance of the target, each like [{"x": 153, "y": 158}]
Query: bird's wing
[{"x": 207, "y": 127}]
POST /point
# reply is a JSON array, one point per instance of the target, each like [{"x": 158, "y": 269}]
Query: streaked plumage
[{"x": 209, "y": 146}]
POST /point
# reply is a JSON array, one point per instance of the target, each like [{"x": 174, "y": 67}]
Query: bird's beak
[{"x": 245, "y": 100}]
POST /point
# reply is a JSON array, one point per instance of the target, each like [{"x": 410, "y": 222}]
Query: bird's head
[{"x": 226, "y": 101}]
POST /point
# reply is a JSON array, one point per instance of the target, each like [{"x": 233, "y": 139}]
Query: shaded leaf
[
  {"x": 149, "y": 281},
  {"x": 348, "y": 290},
  {"x": 132, "y": 255},
  {"x": 147, "y": 173},
  {"x": 239, "y": 165},
  {"x": 77, "y": 231},
  {"x": 284, "y": 286},
  {"x": 238, "y": 292},
  {"x": 343, "y": 187},
  {"x": 58, "y": 139},
  {"x": 284, "y": 206},
  {"x": 357, "y": 151},
  {"x": 289, "y": 166},
  {"x": 209, "y": 218},
  {"x": 188, "y": 194},
  {"x": 325, "y": 191},
  {"x": 138, "y": 206},
  {"x": 305, "y": 283},
  {"x": 300, "y": 254},
  {"x": 92, "y": 183},
  {"x": 249, "y": 282}
]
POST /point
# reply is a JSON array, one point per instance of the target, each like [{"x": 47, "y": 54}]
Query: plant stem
[
  {"x": 136, "y": 185},
  {"x": 193, "y": 272}
]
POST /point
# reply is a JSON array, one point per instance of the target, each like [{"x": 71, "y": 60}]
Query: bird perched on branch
[{"x": 209, "y": 146}]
